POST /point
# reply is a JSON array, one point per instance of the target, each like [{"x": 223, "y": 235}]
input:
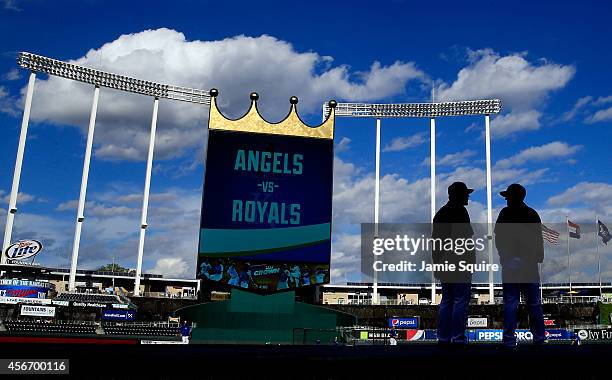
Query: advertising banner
[
  {"x": 30, "y": 301},
  {"x": 38, "y": 311},
  {"x": 431, "y": 334},
  {"x": 477, "y": 322},
  {"x": 266, "y": 207},
  {"x": 522, "y": 335},
  {"x": 604, "y": 334},
  {"x": 404, "y": 323},
  {"x": 24, "y": 288},
  {"x": 22, "y": 250},
  {"x": 413, "y": 335},
  {"x": 118, "y": 315}
]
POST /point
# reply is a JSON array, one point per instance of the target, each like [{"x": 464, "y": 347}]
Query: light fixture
[
  {"x": 38, "y": 63},
  {"x": 427, "y": 110}
]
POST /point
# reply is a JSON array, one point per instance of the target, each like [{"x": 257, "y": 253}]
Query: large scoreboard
[{"x": 267, "y": 203}]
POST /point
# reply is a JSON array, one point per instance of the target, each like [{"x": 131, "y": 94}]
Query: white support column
[
  {"x": 432, "y": 165},
  {"x": 12, "y": 208},
  {"x": 569, "y": 260},
  {"x": 81, "y": 206},
  {"x": 145, "y": 198},
  {"x": 489, "y": 206},
  {"x": 376, "y": 206}
]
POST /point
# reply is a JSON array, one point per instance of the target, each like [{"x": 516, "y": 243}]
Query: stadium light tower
[
  {"x": 431, "y": 111},
  {"x": 36, "y": 63}
]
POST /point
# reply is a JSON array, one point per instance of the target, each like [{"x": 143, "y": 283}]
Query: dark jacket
[
  {"x": 452, "y": 221},
  {"x": 518, "y": 234}
]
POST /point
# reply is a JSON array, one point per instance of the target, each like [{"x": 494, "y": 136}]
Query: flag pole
[
  {"x": 569, "y": 260},
  {"x": 598, "y": 255},
  {"x": 540, "y": 265}
]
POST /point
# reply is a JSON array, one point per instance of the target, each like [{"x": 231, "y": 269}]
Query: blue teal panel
[{"x": 244, "y": 241}]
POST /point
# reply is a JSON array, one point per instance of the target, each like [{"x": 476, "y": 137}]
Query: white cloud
[
  {"x": 111, "y": 227},
  {"x": 7, "y": 103},
  {"x": 553, "y": 150},
  {"x": 590, "y": 103},
  {"x": 596, "y": 194},
  {"x": 603, "y": 100},
  {"x": 601, "y": 115},
  {"x": 12, "y": 74},
  {"x": 515, "y": 121},
  {"x": 518, "y": 82},
  {"x": 346, "y": 256},
  {"x": 521, "y": 85},
  {"x": 11, "y": 5},
  {"x": 93, "y": 208},
  {"x": 172, "y": 267},
  {"x": 343, "y": 145},
  {"x": 405, "y": 142},
  {"x": 21, "y": 197},
  {"x": 235, "y": 66},
  {"x": 580, "y": 104},
  {"x": 452, "y": 159}
]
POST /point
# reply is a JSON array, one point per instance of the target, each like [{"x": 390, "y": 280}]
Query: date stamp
[{"x": 34, "y": 366}]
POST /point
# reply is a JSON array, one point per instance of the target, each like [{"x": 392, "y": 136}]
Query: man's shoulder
[
  {"x": 532, "y": 213},
  {"x": 441, "y": 214}
]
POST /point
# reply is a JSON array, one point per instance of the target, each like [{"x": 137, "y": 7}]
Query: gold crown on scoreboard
[{"x": 253, "y": 122}]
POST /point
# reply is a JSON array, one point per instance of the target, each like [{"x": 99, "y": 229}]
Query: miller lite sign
[{"x": 22, "y": 250}]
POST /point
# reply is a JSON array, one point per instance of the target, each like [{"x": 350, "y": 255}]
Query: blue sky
[{"x": 548, "y": 62}]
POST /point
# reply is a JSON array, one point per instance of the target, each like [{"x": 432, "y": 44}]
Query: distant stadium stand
[
  {"x": 158, "y": 329},
  {"x": 89, "y": 297},
  {"x": 58, "y": 327}
]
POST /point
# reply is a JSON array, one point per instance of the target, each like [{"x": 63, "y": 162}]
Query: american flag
[{"x": 550, "y": 235}]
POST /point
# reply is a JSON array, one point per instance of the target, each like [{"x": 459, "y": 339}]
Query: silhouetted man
[
  {"x": 519, "y": 242},
  {"x": 453, "y": 221}
]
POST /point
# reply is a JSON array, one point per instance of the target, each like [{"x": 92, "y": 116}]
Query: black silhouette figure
[
  {"x": 453, "y": 221},
  {"x": 519, "y": 242}
]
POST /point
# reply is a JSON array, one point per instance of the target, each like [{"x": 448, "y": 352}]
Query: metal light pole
[
  {"x": 569, "y": 259},
  {"x": 376, "y": 206},
  {"x": 489, "y": 207},
  {"x": 12, "y": 209},
  {"x": 83, "y": 193},
  {"x": 37, "y": 63},
  {"x": 432, "y": 191},
  {"x": 145, "y": 198}
]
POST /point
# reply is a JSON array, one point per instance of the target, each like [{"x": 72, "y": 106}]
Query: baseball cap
[
  {"x": 459, "y": 188},
  {"x": 514, "y": 190}
]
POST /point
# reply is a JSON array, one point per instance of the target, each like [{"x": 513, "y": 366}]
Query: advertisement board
[
  {"x": 22, "y": 250},
  {"x": 522, "y": 335},
  {"x": 24, "y": 289},
  {"x": 413, "y": 335},
  {"x": 38, "y": 311},
  {"x": 266, "y": 210},
  {"x": 29, "y": 301},
  {"x": 477, "y": 322},
  {"x": 118, "y": 315},
  {"x": 404, "y": 323},
  {"x": 604, "y": 334}
]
